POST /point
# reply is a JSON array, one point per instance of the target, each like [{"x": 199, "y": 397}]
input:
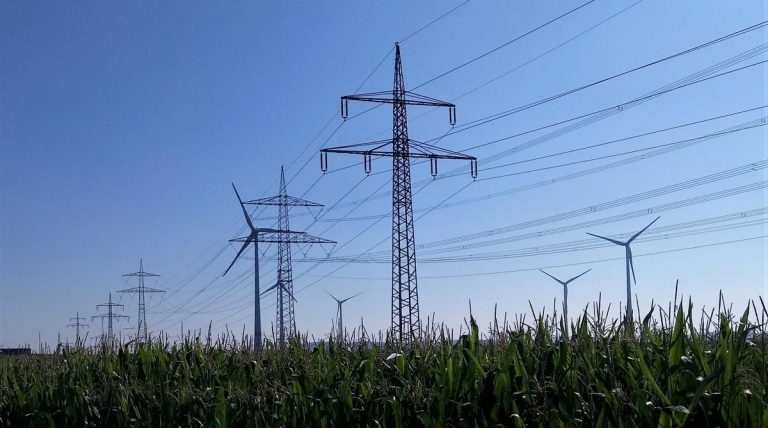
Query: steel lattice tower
[
  {"x": 77, "y": 324},
  {"x": 109, "y": 338},
  {"x": 283, "y": 237},
  {"x": 141, "y": 329},
  {"x": 286, "y": 320},
  {"x": 406, "y": 324}
]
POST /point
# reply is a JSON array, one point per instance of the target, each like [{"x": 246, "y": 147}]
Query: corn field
[{"x": 671, "y": 368}]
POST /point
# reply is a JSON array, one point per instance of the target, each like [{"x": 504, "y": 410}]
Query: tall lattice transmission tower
[
  {"x": 141, "y": 290},
  {"x": 285, "y": 317},
  {"x": 283, "y": 237},
  {"x": 77, "y": 323},
  {"x": 406, "y": 324},
  {"x": 108, "y": 339}
]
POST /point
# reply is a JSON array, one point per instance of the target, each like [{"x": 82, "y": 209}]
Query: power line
[
  {"x": 713, "y": 244},
  {"x": 499, "y": 272},
  {"x": 503, "y": 45},
  {"x": 661, "y": 233},
  {"x": 620, "y": 217},
  {"x": 570, "y": 176},
  {"x": 424, "y": 27},
  {"x": 584, "y": 224},
  {"x": 613, "y": 155},
  {"x": 592, "y": 117},
  {"x": 615, "y": 76},
  {"x": 619, "y": 140}
]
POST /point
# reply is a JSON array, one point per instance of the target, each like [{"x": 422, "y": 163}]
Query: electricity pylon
[
  {"x": 630, "y": 265},
  {"x": 141, "y": 329},
  {"x": 77, "y": 324},
  {"x": 109, "y": 338},
  {"x": 276, "y": 236},
  {"x": 565, "y": 295},
  {"x": 285, "y": 317},
  {"x": 340, "y": 332},
  {"x": 406, "y": 324}
]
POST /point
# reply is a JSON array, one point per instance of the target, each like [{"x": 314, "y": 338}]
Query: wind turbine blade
[
  {"x": 245, "y": 212},
  {"x": 631, "y": 264},
  {"x": 578, "y": 276},
  {"x": 561, "y": 282},
  {"x": 607, "y": 239},
  {"x": 646, "y": 227},
  {"x": 289, "y": 293},
  {"x": 268, "y": 289},
  {"x": 332, "y": 296},
  {"x": 351, "y": 297},
  {"x": 245, "y": 245}
]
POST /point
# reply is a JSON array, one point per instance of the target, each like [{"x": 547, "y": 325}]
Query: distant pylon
[
  {"x": 277, "y": 236},
  {"x": 285, "y": 316},
  {"x": 406, "y": 324},
  {"x": 141, "y": 329},
  {"x": 109, "y": 338},
  {"x": 77, "y": 324}
]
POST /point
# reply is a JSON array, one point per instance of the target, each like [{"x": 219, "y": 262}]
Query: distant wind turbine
[
  {"x": 340, "y": 333},
  {"x": 565, "y": 294},
  {"x": 630, "y": 265}
]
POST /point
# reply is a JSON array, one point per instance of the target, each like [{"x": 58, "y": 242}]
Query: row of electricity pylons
[
  {"x": 405, "y": 322},
  {"x": 108, "y": 337}
]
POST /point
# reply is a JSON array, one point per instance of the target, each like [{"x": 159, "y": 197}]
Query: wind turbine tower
[
  {"x": 629, "y": 264},
  {"x": 406, "y": 324},
  {"x": 340, "y": 332},
  {"x": 565, "y": 296}
]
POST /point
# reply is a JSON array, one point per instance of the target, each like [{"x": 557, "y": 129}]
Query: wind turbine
[
  {"x": 565, "y": 295},
  {"x": 340, "y": 333},
  {"x": 253, "y": 237},
  {"x": 630, "y": 265}
]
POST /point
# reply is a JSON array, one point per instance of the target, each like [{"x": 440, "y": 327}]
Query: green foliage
[{"x": 662, "y": 374}]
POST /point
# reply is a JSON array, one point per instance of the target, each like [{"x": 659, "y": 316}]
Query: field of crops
[{"x": 675, "y": 368}]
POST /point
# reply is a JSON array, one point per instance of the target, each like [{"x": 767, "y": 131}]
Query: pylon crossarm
[
  {"x": 286, "y": 200},
  {"x": 106, "y": 305},
  {"x": 293, "y": 238},
  {"x": 431, "y": 151},
  {"x": 141, "y": 289},
  {"x": 417, "y": 150},
  {"x": 387, "y": 98},
  {"x": 141, "y": 274},
  {"x": 373, "y": 144}
]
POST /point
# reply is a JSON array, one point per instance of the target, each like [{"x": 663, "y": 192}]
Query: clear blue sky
[{"x": 123, "y": 124}]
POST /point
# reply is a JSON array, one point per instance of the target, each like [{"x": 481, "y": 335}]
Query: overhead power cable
[
  {"x": 666, "y": 232},
  {"x": 592, "y": 117},
  {"x": 609, "y": 78},
  {"x": 531, "y": 269}
]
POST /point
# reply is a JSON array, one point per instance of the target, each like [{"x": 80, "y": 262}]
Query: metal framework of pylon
[
  {"x": 108, "y": 339},
  {"x": 141, "y": 290},
  {"x": 283, "y": 237},
  {"x": 406, "y": 324},
  {"x": 77, "y": 324}
]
